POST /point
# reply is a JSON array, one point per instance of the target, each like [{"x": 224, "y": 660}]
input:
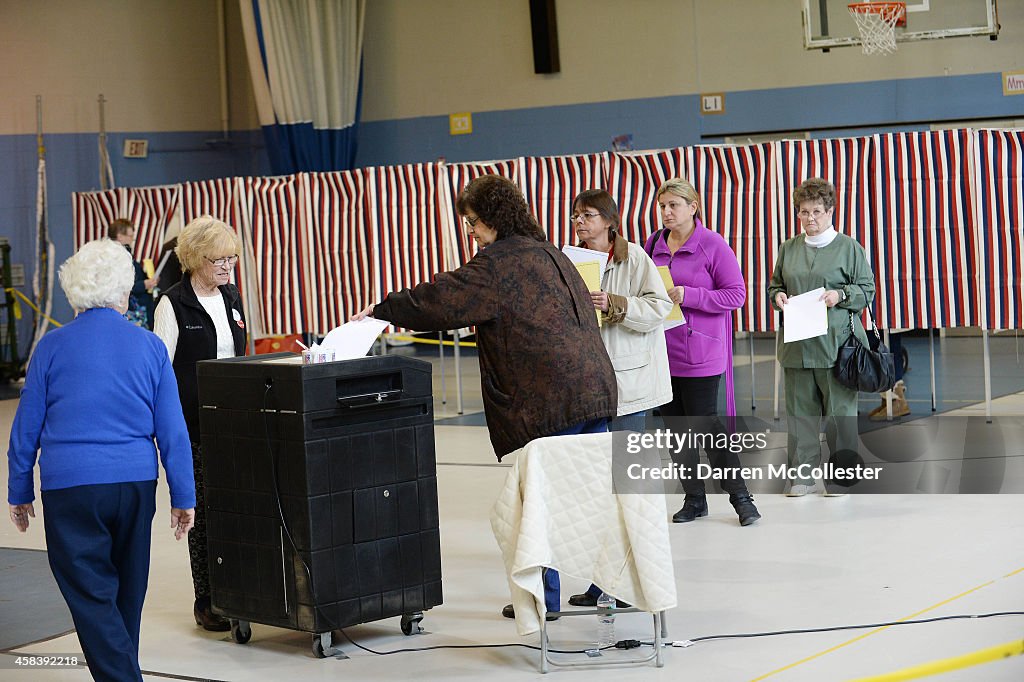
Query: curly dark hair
[
  {"x": 815, "y": 190},
  {"x": 500, "y": 204},
  {"x": 602, "y": 202}
]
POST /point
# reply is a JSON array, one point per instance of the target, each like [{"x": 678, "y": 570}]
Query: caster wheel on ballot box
[
  {"x": 411, "y": 623},
  {"x": 241, "y": 631}
]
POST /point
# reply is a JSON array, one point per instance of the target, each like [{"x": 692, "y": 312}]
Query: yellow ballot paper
[
  {"x": 676, "y": 316},
  {"x": 147, "y": 267},
  {"x": 590, "y": 271}
]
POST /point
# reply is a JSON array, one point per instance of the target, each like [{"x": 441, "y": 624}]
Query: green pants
[{"x": 810, "y": 394}]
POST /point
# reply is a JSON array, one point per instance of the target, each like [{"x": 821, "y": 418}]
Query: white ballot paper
[
  {"x": 353, "y": 339},
  {"x": 578, "y": 254},
  {"x": 804, "y": 316}
]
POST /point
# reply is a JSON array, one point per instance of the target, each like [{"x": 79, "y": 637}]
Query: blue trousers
[
  {"x": 98, "y": 542},
  {"x": 552, "y": 583}
]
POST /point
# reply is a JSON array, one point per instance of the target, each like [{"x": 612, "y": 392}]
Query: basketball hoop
[{"x": 877, "y": 23}]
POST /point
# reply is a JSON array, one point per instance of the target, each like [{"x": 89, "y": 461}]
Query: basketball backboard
[{"x": 827, "y": 23}]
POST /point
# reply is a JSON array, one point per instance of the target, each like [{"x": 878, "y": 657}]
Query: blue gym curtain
[{"x": 305, "y": 57}]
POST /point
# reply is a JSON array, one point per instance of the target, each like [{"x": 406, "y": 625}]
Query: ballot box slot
[
  {"x": 385, "y": 412},
  {"x": 372, "y": 399}
]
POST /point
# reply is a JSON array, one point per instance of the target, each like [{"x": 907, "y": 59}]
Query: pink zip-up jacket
[{"x": 713, "y": 287}]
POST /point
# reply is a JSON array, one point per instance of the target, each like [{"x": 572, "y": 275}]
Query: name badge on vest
[{"x": 238, "y": 318}]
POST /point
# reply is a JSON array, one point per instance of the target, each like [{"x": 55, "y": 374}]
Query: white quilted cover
[{"x": 557, "y": 509}]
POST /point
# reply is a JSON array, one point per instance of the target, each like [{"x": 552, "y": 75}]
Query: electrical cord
[{"x": 745, "y": 635}]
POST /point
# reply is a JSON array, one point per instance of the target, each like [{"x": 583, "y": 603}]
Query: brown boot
[
  {"x": 879, "y": 412},
  {"x": 900, "y": 406}
]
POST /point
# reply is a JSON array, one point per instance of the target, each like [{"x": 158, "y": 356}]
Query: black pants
[
  {"x": 198, "y": 552},
  {"x": 698, "y": 397},
  {"x": 98, "y": 542}
]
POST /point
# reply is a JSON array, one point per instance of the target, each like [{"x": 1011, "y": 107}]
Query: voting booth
[{"x": 321, "y": 492}]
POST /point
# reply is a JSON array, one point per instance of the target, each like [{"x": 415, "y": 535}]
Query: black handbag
[{"x": 872, "y": 368}]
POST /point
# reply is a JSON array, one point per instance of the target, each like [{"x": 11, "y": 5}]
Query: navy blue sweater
[{"x": 98, "y": 391}]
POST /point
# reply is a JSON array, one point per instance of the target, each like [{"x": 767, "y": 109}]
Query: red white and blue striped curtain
[
  {"x": 737, "y": 190},
  {"x": 550, "y": 183},
  {"x": 925, "y": 256},
  {"x": 999, "y": 204},
  {"x": 217, "y": 198},
  {"x": 633, "y": 180},
  {"x": 272, "y": 217},
  {"x": 92, "y": 212},
  {"x": 403, "y": 216},
  {"x": 340, "y": 258},
  {"x": 150, "y": 209},
  {"x": 848, "y": 163},
  {"x": 458, "y": 175}
]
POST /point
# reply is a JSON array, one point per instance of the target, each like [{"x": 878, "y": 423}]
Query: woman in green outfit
[{"x": 820, "y": 257}]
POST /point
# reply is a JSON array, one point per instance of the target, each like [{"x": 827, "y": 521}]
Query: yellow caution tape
[
  {"x": 945, "y": 665},
  {"x": 433, "y": 342},
  {"x": 17, "y": 308}
]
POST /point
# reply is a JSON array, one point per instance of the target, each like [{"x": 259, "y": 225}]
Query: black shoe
[
  {"x": 510, "y": 612},
  {"x": 743, "y": 503},
  {"x": 207, "y": 618},
  {"x": 694, "y": 507},
  {"x": 586, "y": 600}
]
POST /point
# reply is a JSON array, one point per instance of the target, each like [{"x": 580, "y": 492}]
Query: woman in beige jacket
[{"x": 633, "y": 304}]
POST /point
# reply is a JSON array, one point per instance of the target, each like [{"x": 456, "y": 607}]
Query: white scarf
[{"x": 821, "y": 239}]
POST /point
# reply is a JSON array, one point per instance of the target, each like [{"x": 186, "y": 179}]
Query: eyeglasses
[
  {"x": 221, "y": 262},
  {"x": 816, "y": 214},
  {"x": 471, "y": 222},
  {"x": 581, "y": 217}
]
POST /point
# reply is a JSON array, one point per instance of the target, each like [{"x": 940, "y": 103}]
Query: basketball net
[{"x": 876, "y": 22}]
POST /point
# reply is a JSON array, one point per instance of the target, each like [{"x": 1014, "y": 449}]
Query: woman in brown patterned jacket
[{"x": 543, "y": 367}]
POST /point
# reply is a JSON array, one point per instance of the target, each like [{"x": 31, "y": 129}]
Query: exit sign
[
  {"x": 136, "y": 149},
  {"x": 712, "y": 103},
  {"x": 460, "y": 124}
]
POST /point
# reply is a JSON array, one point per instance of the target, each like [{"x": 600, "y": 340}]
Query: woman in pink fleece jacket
[{"x": 708, "y": 287}]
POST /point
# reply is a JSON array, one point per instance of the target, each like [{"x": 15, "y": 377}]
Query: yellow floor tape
[
  {"x": 946, "y": 665},
  {"x": 884, "y": 627}
]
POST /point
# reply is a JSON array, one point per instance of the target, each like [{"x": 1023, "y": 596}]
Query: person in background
[
  {"x": 171, "y": 272},
  {"x": 93, "y": 413},
  {"x": 708, "y": 286},
  {"x": 633, "y": 304},
  {"x": 820, "y": 257},
  {"x": 201, "y": 318},
  {"x": 543, "y": 367},
  {"x": 140, "y": 303}
]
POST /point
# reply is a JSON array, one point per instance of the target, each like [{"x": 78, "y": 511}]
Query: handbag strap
[{"x": 871, "y": 319}]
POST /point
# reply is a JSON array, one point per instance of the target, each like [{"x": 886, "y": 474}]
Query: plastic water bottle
[{"x": 605, "y": 620}]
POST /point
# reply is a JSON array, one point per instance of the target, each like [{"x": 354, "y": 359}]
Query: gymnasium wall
[{"x": 626, "y": 67}]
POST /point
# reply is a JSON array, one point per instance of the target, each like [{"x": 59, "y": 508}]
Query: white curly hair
[{"x": 100, "y": 275}]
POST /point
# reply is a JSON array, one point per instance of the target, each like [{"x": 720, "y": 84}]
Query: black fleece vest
[{"x": 197, "y": 340}]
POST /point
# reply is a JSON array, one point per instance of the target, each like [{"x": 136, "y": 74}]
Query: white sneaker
[{"x": 798, "y": 490}]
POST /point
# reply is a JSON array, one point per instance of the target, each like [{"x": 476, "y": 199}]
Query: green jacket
[{"x": 843, "y": 266}]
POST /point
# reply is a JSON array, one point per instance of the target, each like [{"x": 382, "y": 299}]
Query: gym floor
[{"x": 811, "y": 562}]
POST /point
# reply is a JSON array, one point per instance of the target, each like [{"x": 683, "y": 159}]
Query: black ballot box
[{"x": 321, "y": 490}]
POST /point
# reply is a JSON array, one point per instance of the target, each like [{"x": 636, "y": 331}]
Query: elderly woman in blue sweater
[{"x": 98, "y": 392}]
